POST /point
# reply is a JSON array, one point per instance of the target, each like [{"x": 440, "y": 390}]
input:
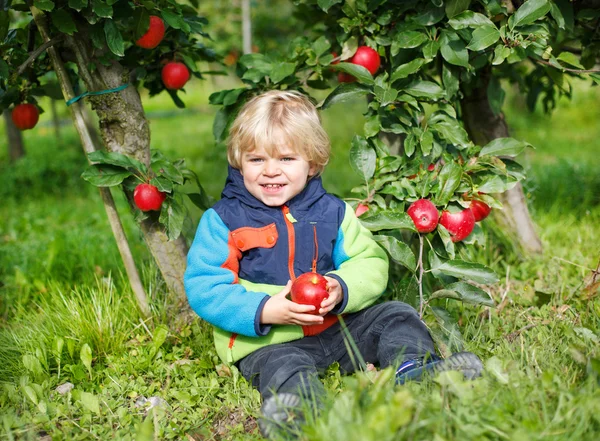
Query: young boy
[{"x": 275, "y": 222}]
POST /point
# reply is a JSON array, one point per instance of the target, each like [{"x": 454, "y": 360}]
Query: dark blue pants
[{"x": 385, "y": 334}]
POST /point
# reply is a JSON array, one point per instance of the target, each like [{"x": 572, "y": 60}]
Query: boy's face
[{"x": 274, "y": 180}]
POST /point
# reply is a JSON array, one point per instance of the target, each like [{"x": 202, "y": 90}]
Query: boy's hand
[
  {"x": 280, "y": 311},
  {"x": 335, "y": 296}
]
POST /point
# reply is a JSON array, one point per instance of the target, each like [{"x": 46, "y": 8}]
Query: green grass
[{"x": 61, "y": 279}]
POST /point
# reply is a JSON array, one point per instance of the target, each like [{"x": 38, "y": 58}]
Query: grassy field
[{"x": 68, "y": 315}]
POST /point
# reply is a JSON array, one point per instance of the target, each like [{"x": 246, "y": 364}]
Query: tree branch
[
  {"x": 33, "y": 55},
  {"x": 567, "y": 68}
]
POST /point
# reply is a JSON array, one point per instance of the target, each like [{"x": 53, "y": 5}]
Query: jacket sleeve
[
  {"x": 211, "y": 281},
  {"x": 361, "y": 265}
]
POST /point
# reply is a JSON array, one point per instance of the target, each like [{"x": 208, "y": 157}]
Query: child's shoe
[
  {"x": 414, "y": 370},
  {"x": 281, "y": 416}
]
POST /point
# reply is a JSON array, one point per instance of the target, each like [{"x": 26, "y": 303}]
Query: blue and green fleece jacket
[{"x": 245, "y": 251}]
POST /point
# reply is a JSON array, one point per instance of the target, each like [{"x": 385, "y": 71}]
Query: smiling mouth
[{"x": 272, "y": 188}]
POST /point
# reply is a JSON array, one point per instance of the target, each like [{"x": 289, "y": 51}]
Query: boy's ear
[{"x": 312, "y": 170}]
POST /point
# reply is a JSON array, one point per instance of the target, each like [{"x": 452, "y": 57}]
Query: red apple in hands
[
  {"x": 154, "y": 34},
  {"x": 424, "y": 214},
  {"x": 480, "y": 210},
  {"x": 175, "y": 75},
  {"x": 25, "y": 116},
  {"x": 147, "y": 197},
  {"x": 459, "y": 225},
  {"x": 310, "y": 289}
]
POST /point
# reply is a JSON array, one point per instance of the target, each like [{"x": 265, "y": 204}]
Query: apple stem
[{"x": 420, "y": 279}]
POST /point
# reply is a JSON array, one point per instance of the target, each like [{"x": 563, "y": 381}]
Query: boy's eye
[
  {"x": 255, "y": 159},
  {"x": 287, "y": 158}
]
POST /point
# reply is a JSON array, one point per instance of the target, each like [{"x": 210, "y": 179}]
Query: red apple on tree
[
  {"x": 154, "y": 34},
  {"x": 459, "y": 225},
  {"x": 25, "y": 116},
  {"x": 367, "y": 58},
  {"x": 361, "y": 209},
  {"x": 310, "y": 289},
  {"x": 147, "y": 197},
  {"x": 424, "y": 214},
  {"x": 175, "y": 75},
  {"x": 480, "y": 210}
]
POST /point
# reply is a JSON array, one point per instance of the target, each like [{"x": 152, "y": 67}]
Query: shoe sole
[
  {"x": 467, "y": 363},
  {"x": 275, "y": 413}
]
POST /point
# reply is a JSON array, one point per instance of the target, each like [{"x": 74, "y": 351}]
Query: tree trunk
[
  {"x": 124, "y": 129},
  {"x": 77, "y": 113},
  {"x": 55, "y": 120},
  {"x": 16, "y": 149},
  {"x": 483, "y": 126},
  {"x": 246, "y": 27}
]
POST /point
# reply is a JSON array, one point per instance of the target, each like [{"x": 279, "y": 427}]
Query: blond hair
[{"x": 289, "y": 113}]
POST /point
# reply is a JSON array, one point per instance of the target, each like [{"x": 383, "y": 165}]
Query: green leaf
[
  {"x": 168, "y": 170},
  {"x": 349, "y": 47},
  {"x": 32, "y": 364},
  {"x": 410, "y": 39},
  {"x": 557, "y": 15},
  {"x": 163, "y": 184},
  {"x": 504, "y": 147},
  {"x": 388, "y": 220},
  {"x": 30, "y": 392},
  {"x": 321, "y": 45},
  {"x": 220, "y": 124},
  {"x": 465, "y": 292},
  {"x": 86, "y": 357},
  {"x": 362, "y": 157},
  {"x": 424, "y": 89},
  {"x": 63, "y": 21},
  {"x": 4, "y": 69},
  {"x": 117, "y": 159},
  {"x": 344, "y": 92},
  {"x": 282, "y": 71},
  {"x": 496, "y": 184},
  {"x": 358, "y": 72},
  {"x": 407, "y": 69},
  {"x": 501, "y": 53},
  {"x": 386, "y": 94},
  {"x": 454, "y": 7},
  {"x": 101, "y": 9},
  {"x": 175, "y": 20},
  {"x": 141, "y": 21},
  {"x": 452, "y": 132},
  {"x": 398, "y": 251},
  {"x": 570, "y": 58},
  {"x": 372, "y": 126},
  {"x": 44, "y": 5},
  {"x": 105, "y": 175},
  {"x": 529, "y": 12},
  {"x": 430, "y": 49},
  {"x": 453, "y": 341},
  {"x": 469, "y": 19},
  {"x": 467, "y": 270},
  {"x": 326, "y": 4},
  {"x": 451, "y": 80},
  {"x": 449, "y": 179},
  {"x": 446, "y": 240},
  {"x": 78, "y": 5},
  {"x": 90, "y": 402},
  {"x": 455, "y": 52},
  {"x": 114, "y": 38},
  {"x": 172, "y": 215},
  {"x": 483, "y": 37}
]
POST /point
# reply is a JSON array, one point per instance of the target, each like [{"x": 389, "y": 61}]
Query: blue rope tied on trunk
[{"x": 98, "y": 92}]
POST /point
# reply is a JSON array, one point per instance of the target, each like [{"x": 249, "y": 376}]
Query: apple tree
[
  {"x": 110, "y": 49},
  {"x": 434, "y": 154}
]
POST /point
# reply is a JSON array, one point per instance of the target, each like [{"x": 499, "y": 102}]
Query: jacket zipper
[{"x": 289, "y": 220}]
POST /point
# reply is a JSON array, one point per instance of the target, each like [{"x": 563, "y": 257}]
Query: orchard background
[{"x": 83, "y": 358}]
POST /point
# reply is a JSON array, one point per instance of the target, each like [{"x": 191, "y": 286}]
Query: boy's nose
[{"x": 271, "y": 168}]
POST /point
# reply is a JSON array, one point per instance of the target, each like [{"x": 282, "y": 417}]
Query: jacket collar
[{"x": 235, "y": 189}]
